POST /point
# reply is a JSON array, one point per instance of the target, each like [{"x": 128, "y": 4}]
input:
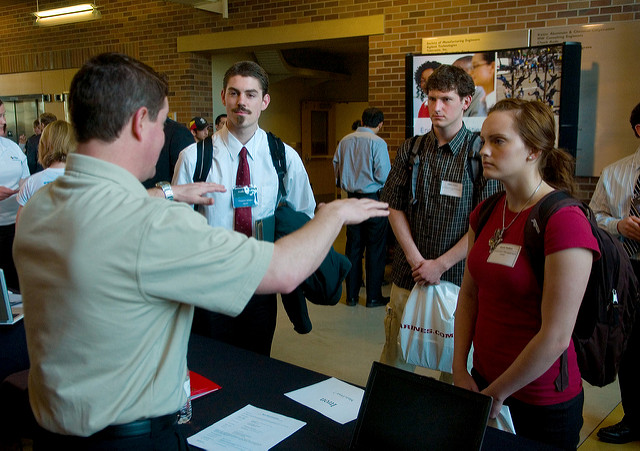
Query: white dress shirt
[
  {"x": 226, "y": 150},
  {"x": 611, "y": 201}
]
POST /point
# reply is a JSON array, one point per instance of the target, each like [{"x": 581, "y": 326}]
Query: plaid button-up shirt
[{"x": 437, "y": 220}]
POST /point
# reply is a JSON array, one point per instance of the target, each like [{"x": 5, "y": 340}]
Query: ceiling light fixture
[{"x": 66, "y": 15}]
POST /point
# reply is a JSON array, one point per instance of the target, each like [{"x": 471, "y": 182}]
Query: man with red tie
[{"x": 242, "y": 163}]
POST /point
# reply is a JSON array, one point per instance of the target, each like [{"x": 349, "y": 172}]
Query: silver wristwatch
[{"x": 166, "y": 189}]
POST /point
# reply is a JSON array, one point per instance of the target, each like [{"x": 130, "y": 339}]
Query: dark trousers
[
  {"x": 630, "y": 371},
  {"x": 161, "y": 437},
  {"x": 253, "y": 329},
  {"x": 7, "y": 233},
  {"x": 371, "y": 236},
  {"x": 557, "y": 424}
]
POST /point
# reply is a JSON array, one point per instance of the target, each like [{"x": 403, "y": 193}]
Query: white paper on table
[
  {"x": 333, "y": 398},
  {"x": 503, "y": 421},
  {"x": 250, "y": 428}
]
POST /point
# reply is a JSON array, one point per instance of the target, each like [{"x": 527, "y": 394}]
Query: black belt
[{"x": 140, "y": 427}]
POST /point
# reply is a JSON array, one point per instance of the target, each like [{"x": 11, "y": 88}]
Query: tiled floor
[{"x": 346, "y": 340}]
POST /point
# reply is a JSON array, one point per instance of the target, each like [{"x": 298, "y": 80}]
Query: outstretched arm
[
  {"x": 191, "y": 193},
  {"x": 298, "y": 255}
]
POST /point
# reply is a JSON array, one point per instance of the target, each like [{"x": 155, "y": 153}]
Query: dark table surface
[
  {"x": 13, "y": 343},
  {"x": 249, "y": 378}
]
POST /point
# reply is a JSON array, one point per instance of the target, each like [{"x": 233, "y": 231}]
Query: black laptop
[{"x": 403, "y": 411}]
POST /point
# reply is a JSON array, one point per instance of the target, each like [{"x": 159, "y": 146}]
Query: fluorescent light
[{"x": 68, "y": 14}]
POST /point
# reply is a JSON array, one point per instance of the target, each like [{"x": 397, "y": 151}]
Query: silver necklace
[{"x": 496, "y": 239}]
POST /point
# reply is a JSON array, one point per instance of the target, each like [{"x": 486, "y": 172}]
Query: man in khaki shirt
[{"x": 110, "y": 275}]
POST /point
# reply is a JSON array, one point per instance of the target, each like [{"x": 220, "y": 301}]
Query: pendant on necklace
[{"x": 495, "y": 240}]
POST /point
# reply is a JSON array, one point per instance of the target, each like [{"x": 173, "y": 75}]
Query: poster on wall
[
  {"x": 530, "y": 73},
  {"x": 609, "y": 89}
]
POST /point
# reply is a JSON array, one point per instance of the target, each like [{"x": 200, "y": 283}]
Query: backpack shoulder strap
[
  {"x": 537, "y": 223},
  {"x": 204, "y": 151},
  {"x": 276, "y": 148},
  {"x": 413, "y": 164},
  {"x": 486, "y": 208},
  {"x": 474, "y": 165},
  {"x": 534, "y": 230},
  {"x": 473, "y": 154}
]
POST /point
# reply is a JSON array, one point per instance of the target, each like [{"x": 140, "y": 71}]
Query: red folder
[{"x": 200, "y": 385}]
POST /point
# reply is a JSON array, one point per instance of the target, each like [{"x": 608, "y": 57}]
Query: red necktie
[{"x": 243, "y": 178}]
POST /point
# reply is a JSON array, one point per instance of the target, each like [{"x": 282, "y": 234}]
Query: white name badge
[
  {"x": 505, "y": 254},
  {"x": 451, "y": 189}
]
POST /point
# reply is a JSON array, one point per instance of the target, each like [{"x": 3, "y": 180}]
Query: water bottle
[{"x": 184, "y": 416}]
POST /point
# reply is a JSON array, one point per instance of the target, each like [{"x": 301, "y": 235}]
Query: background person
[
  {"x": 612, "y": 201},
  {"x": 520, "y": 329},
  {"x": 13, "y": 172},
  {"x": 56, "y": 142},
  {"x": 177, "y": 137},
  {"x": 31, "y": 148},
  {"x": 22, "y": 142},
  {"x": 199, "y": 128},
  {"x": 221, "y": 121},
  {"x": 361, "y": 166}
]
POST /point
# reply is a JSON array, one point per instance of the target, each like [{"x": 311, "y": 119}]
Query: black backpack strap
[
  {"x": 475, "y": 162},
  {"x": 204, "y": 151},
  {"x": 474, "y": 165},
  {"x": 198, "y": 170},
  {"x": 486, "y": 208},
  {"x": 276, "y": 148},
  {"x": 413, "y": 164},
  {"x": 537, "y": 223},
  {"x": 534, "y": 230}
]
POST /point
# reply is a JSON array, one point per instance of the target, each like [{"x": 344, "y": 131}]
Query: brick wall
[
  {"x": 586, "y": 187},
  {"x": 150, "y": 28}
]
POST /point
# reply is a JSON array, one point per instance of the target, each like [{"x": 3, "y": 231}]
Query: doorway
[
  {"x": 21, "y": 111},
  {"x": 318, "y": 128}
]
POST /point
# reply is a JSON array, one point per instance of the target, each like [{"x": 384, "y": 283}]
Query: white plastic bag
[
  {"x": 426, "y": 329},
  {"x": 503, "y": 421}
]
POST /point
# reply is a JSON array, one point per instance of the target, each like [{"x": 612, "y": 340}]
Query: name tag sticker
[
  {"x": 244, "y": 196},
  {"x": 451, "y": 189},
  {"x": 505, "y": 254}
]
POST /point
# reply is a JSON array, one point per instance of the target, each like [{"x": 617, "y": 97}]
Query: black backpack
[
  {"x": 609, "y": 305},
  {"x": 276, "y": 148}
]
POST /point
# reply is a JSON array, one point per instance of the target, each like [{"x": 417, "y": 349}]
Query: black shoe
[
  {"x": 352, "y": 301},
  {"x": 618, "y": 433},
  {"x": 381, "y": 303}
]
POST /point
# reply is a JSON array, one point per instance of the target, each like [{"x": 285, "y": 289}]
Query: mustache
[{"x": 241, "y": 109}]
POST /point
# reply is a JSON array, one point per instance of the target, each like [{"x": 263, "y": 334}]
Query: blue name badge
[{"x": 244, "y": 196}]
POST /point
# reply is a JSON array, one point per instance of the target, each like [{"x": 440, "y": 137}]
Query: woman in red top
[{"x": 519, "y": 329}]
